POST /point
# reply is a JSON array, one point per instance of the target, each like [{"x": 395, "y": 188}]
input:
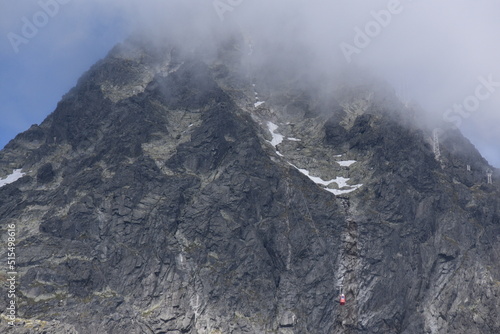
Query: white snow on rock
[
  {"x": 339, "y": 180},
  {"x": 344, "y": 191},
  {"x": 16, "y": 175},
  {"x": 315, "y": 179},
  {"x": 346, "y": 163},
  {"x": 277, "y": 138},
  {"x": 256, "y": 104},
  {"x": 293, "y": 139}
]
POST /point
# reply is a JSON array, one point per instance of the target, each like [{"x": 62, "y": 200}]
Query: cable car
[{"x": 342, "y": 299}]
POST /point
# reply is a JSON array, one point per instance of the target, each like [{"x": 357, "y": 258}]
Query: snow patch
[
  {"x": 346, "y": 191},
  {"x": 346, "y": 163},
  {"x": 277, "y": 138},
  {"x": 256, "y": 104},
  {"x": 16, "y": 175},
  {"x": 293, "y": 139},
  {"x": 339, "y": 180},
  {"x": 315, "y": 179}
]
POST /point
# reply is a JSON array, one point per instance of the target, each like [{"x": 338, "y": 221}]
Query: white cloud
[{"x": 437, "y": 48}]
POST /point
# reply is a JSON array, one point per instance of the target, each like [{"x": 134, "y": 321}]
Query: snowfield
[
  {"x": 346, "y": 163},
  {"x": 340, "y": 181},
  {"x": 277, "y": 138},
  {"x": 16, "y": 175}
]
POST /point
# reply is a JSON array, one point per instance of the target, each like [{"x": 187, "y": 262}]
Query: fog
[{"x": 444, "y": 55}]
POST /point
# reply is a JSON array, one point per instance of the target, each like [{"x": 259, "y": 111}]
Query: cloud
[{"x": 431, "y": 51}]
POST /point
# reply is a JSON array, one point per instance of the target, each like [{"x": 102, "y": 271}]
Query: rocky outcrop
[{"x": 169, "y": 194}]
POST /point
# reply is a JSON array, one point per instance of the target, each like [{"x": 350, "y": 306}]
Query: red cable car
[{"x": 342, "y": 299}]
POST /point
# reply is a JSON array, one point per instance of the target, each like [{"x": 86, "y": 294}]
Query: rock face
[{"x": 168, "y": 193}]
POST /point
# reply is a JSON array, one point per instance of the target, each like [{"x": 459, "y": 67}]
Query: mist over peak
[
  {"x": 431, "y": 53},
  {"x": 251, "y": 167}
]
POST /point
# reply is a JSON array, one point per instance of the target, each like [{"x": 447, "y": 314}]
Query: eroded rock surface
[{"x": 155, "y": 200}]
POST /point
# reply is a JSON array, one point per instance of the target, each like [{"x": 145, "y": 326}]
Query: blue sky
[
  {"x": 438, "y": 49},
  {"x": 33, "y": 79}
]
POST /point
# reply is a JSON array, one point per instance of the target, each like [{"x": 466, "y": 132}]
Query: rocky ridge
[{"x": 170, "y": 193}]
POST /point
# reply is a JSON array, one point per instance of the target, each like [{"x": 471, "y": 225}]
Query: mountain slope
[{"x": 174, "y": 193}]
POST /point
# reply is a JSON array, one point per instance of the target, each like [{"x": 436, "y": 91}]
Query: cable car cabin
[{"x": 342, "y": 299}]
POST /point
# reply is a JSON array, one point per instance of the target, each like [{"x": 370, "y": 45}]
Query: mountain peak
[{"x": 190, "y": 192}]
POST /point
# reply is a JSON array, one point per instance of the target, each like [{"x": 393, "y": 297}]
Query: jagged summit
[{"x": 178, "y": 191}]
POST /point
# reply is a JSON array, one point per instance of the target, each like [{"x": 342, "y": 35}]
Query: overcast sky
[{"x": 443, "y": 54}]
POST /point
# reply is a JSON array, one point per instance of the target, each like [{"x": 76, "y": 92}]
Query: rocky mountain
[{"x": 180, "y": 192}]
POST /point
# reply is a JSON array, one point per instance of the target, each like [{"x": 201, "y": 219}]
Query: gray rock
[{"x": 153, "y": 202}]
